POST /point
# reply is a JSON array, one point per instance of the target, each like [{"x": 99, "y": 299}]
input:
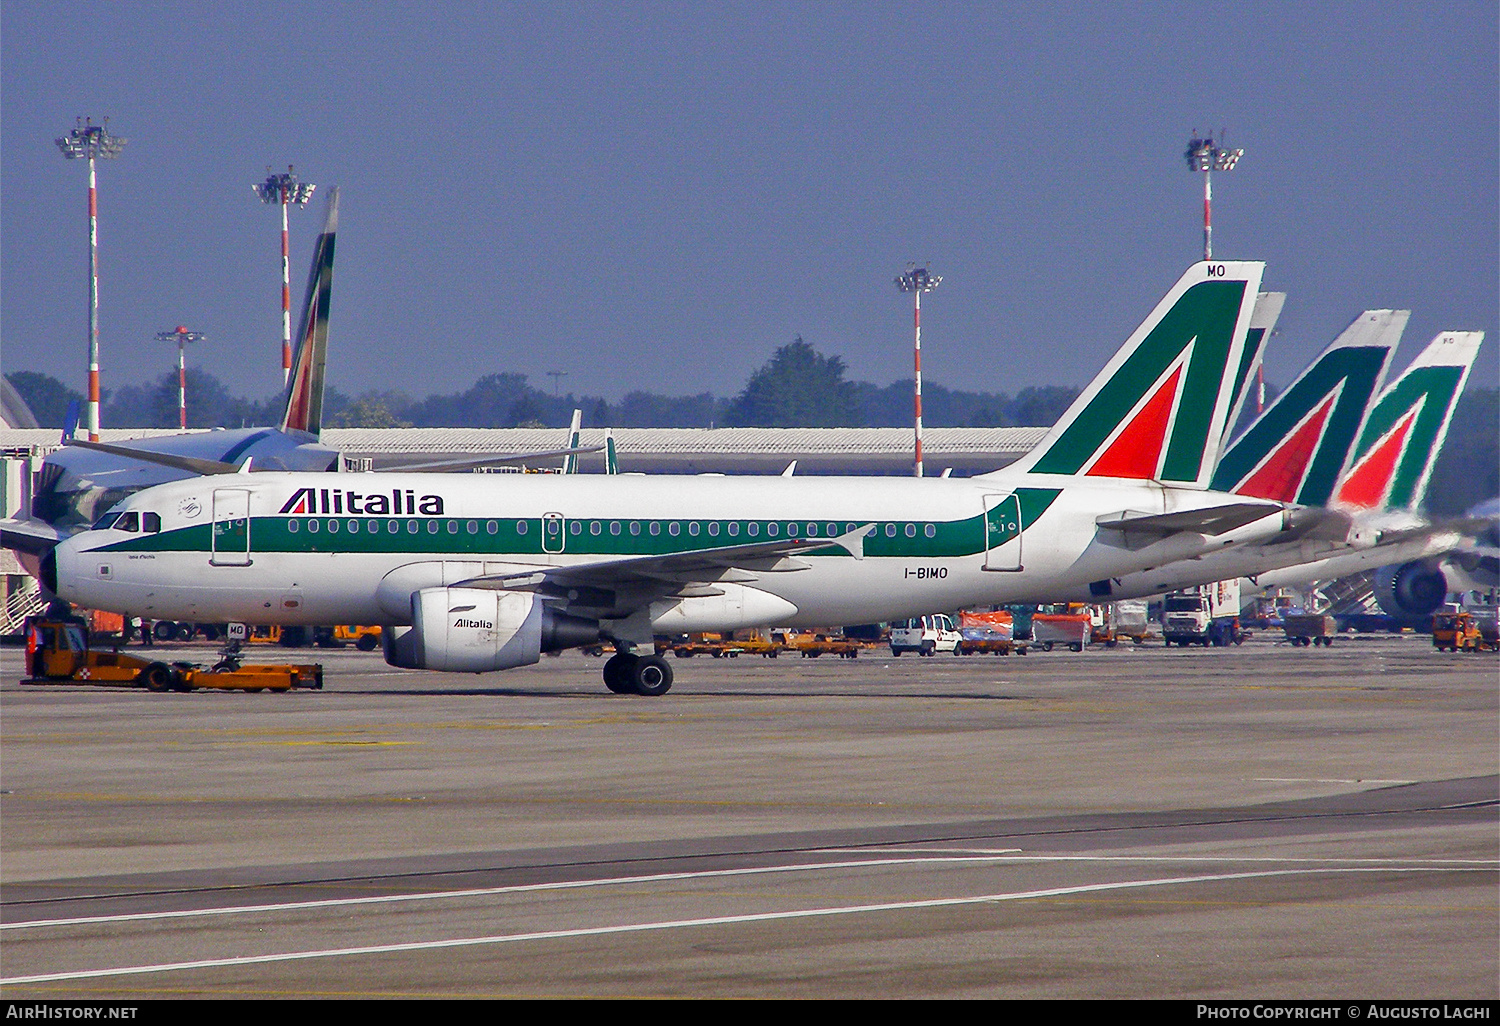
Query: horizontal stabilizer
[{"x": 1212, "y": 520}]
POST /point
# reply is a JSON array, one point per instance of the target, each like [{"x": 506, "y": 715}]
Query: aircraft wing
[
  {"x": 29, "y": 536},
  {"x": 489, "y": 461},
  {"x": 727, "y": 563},
  {"x": 1212, "y": 520},
  {"x": 191, "y": 464}
]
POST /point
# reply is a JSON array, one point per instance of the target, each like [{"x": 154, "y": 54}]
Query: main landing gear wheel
[
  {"x": 617, "y": 672},
  {"x": 651, "y": 675},
  {"x": 626, "y": 674}
]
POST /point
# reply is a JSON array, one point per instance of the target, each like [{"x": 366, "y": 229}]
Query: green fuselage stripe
[{"x": 524, "y": 538}]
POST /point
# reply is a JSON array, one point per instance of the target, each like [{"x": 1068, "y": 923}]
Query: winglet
[
  {"x": 570, "y": 461},
  {"x": 303, "y": 410},
  {"x": 853, "y": 541}
]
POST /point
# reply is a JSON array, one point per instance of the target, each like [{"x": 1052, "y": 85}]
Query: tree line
[{"x": 796, "y": 387}]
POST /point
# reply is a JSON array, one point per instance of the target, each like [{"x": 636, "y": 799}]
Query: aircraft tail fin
[
  {"x": 1405, "y": 430},
  {"x": 1297, "y": 448},
  {"x": 70, "y": 422},
  {"x": 303, "y": 409},
  {"x": 1247, "y": 379},
  {"x": 1158, "y": 409},
  {"x": 570, "y": 461},
  {"x": 611, "y": 461}
]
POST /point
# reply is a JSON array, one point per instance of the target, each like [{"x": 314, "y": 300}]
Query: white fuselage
[{"x": 354, "y": 547}]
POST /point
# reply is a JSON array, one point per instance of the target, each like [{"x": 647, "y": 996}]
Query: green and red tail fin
[
  {"x": 1405, "y": 431},
  {"x": 303, "y": 410},
  {"x": 1159, "y": 408},
  {"x": 1298, "y": 447},
  {"x": 1247, "y": 379}
]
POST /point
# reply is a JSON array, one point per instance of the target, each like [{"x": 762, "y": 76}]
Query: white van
[{"x": 925, "y": 635}]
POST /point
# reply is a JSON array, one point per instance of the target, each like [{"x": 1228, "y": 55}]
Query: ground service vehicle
[
  {"x": 58, "y": 651},
  {"x": 685, "y": 646},
  {"x": 1205, "y": 615},
  {"x": 1070, "y": 624},
  {"x": 1309, "y": 628},
  {"x": 366, "y": 638},
  {"x": 1129, "y": 619},
  {"x": 988, "y": 632},
  {"x": 1459, "y": 632},
  {"x": 925, "y": 635},
  {"x": 813, "y": 644}
]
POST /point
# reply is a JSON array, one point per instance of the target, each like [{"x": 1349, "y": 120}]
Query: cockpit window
[
  {"x": 151, "y": 522},
  {"x": 129, "y": 522},
  {"x": 107, "y": 521}
]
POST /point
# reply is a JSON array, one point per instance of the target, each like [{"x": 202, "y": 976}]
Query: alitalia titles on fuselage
[{"x": 345, "y": 501}]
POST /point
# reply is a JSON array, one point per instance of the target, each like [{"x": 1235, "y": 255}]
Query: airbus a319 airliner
[{"x": 486, "y": 572}]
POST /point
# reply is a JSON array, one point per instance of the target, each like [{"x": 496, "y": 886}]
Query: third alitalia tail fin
[{"x": 1402, "y": 436}]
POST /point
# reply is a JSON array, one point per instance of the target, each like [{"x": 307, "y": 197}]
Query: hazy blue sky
[{"x": 655, "y": 195}]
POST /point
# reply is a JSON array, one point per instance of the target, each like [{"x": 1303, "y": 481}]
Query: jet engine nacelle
[
  {"x": 1410, "y": 589},
  {"x": 475, "y": 630}
]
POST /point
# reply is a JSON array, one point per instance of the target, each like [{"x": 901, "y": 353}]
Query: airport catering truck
[{"x": 1206, "y": 615}]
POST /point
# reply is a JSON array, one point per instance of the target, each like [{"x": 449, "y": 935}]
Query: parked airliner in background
[
  {"x": 484, "y": 572},
  {"x": 1384, "y": 488},
  {"x": 83, "y": 479},
  {"x": 1294, "y": 452}
]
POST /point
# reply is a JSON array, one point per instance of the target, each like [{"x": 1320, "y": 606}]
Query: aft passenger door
[
  {"x": 1002, "y": 533},
  {"x": 230, "y": 544}
]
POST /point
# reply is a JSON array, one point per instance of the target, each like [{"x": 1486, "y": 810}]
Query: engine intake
[
  {"x": 475, "y": 630},
  {"x": 1410, "y": 589}
]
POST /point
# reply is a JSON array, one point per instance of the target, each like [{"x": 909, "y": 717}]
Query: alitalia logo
[
  {"x": 483, "y": 625},
  {"x": 1151, "y": 415},
  {"x": 342, "y": 501}
]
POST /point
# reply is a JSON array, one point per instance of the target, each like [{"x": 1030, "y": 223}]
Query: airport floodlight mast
[
  {"x": 93, "y": 142},
  {"x": 285, "y": 189},
  {"x": 917, "y": 280},
  {"x": 556, "y": 376},
  {"x": 182, "y": 337},
  {"x": 1203, "y": 154}
]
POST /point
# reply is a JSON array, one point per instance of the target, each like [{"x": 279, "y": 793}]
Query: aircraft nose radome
[{"x": 48, "y": 572}]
